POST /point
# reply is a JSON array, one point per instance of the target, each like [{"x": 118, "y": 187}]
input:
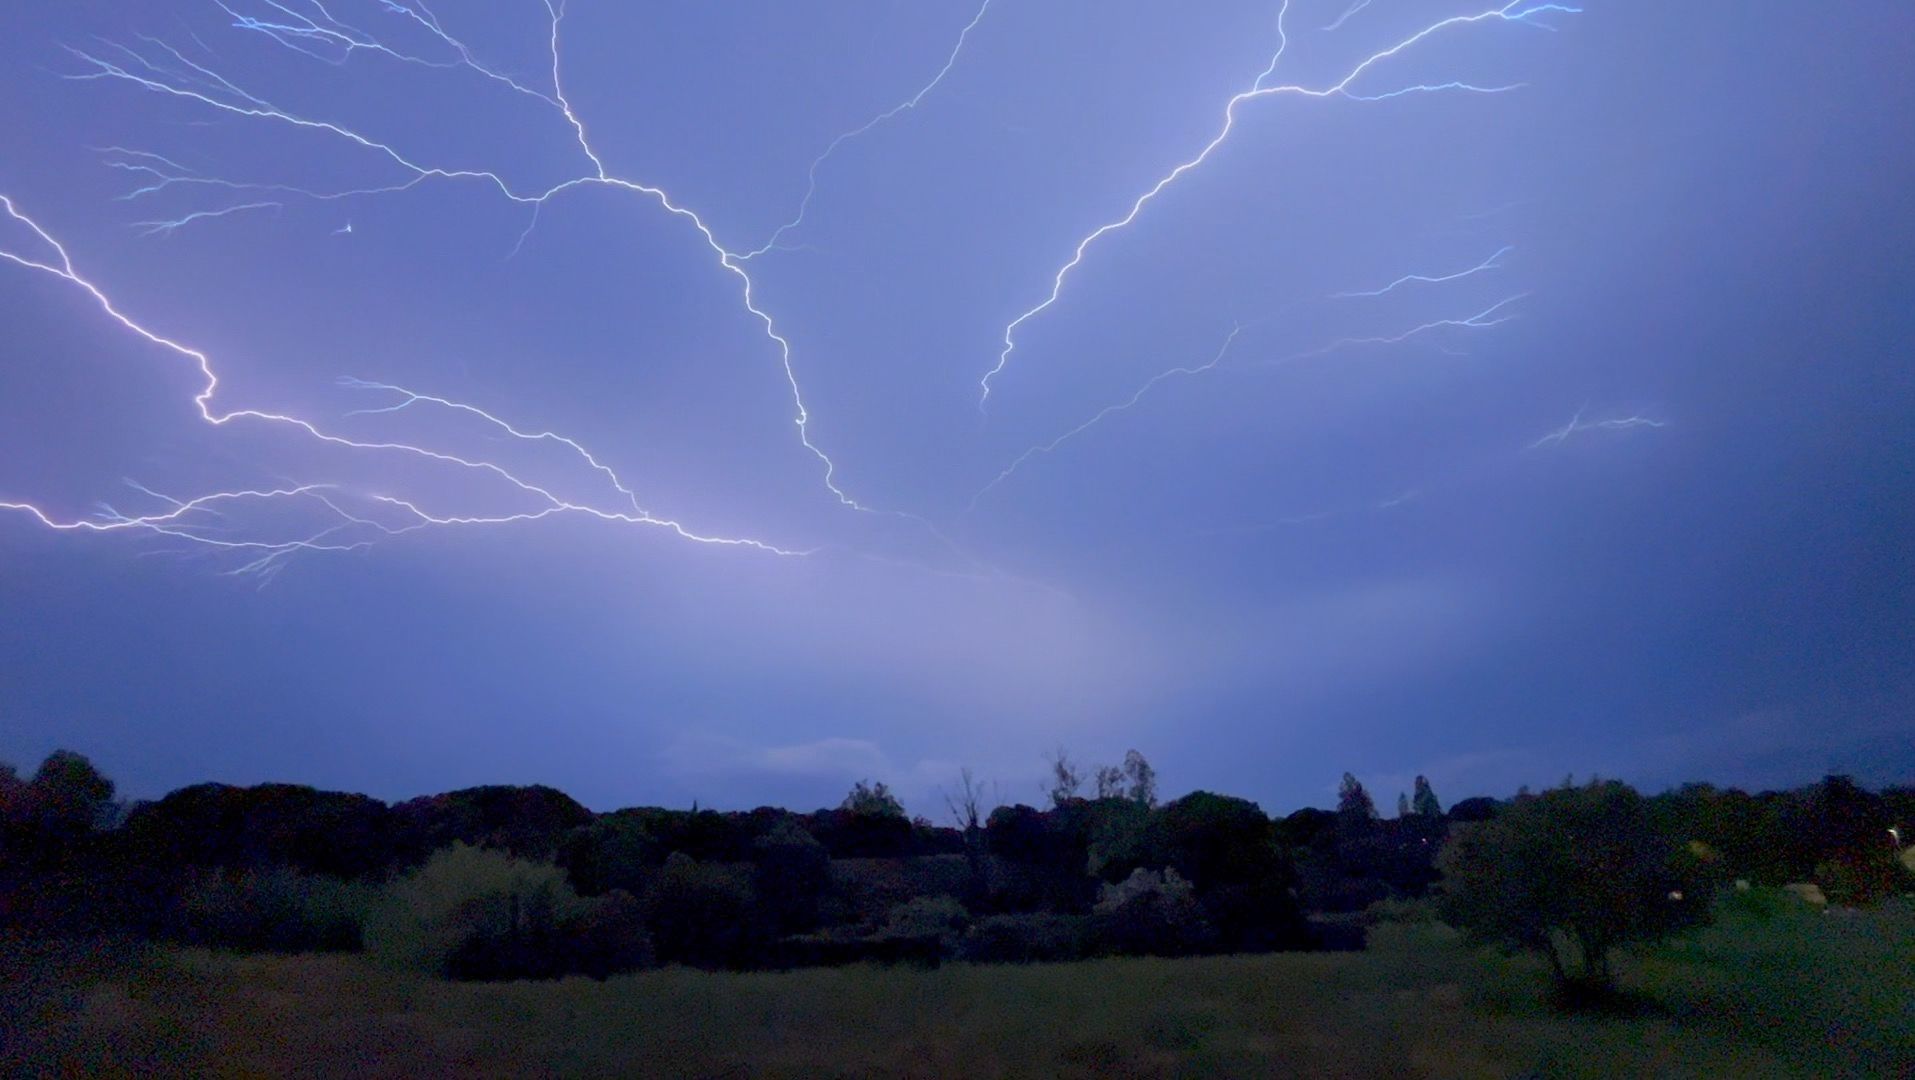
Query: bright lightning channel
[
  {"x": 201, "y": 84},
  {"x": 1517, "y": 11},
  {"x": 170, "y": 522}
]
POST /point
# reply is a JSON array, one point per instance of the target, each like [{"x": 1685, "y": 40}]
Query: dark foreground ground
[{"x": 1802, "y": 995}]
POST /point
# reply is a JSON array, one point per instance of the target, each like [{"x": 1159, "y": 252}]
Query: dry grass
[{"x": 1803, "y": 996}]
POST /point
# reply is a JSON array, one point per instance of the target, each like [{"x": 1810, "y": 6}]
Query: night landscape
[{"x": 957, "y": 538}]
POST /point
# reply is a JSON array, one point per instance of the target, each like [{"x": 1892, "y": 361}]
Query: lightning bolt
[
  {"x": 304, "y": 34},
  {"x": 1577, "y": 425},
  {"x": 354, "y": 519},
  {"x": 188, "y": 79},
  {"x": 1127, "y": 403},
  {"x": 811, "y": 175},
  {"x": 178, "y": 520},
  {"x": 1517, "y": 11}
]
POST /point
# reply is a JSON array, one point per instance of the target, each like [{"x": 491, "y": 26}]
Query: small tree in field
[{"x": 1572, "y": 874}]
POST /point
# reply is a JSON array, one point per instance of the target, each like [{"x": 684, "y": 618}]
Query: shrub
[
  {"x": 703, "y": 915},
  {"x": 863, "y": 891},
  {"x": 1151, "y": 913},
  {"x": 272, "y": 910},
  {"x": 475, "y": 913},
  {"x": 938, "y": 920},
  {"x": 1039, "y": 937},
  {"x": 1856, "y": 878},
  {"x": 606, "y": 936},
  {"x": 1394, "y": 910},
  {"x": 1760, "y": 904},
  {"x": 792, "y": 870}
]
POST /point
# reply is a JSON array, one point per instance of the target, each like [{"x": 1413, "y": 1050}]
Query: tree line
[{"x": 523, "y": 881}]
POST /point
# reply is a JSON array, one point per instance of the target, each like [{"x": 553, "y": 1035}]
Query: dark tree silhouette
[
  {"x": 1066, "y": 780},
  {"x": 1353, "y": 801}
]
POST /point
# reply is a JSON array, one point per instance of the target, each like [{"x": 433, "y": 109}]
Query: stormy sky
[{"x": 1484, "y": 392}]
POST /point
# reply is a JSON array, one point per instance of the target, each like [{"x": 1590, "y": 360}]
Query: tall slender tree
[
  {"x": 1142, "y": 779},
  {"x": 1353, "y": 801}
]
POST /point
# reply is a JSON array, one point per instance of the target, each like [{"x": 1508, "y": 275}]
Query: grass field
[{"x": 1802, "y": 995}]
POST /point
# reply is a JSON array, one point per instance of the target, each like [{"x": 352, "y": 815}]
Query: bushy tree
[
  {"x": 1571, "y": 874},
  {"x": 528, "y": 821},
  {"x": 873, "y": 800},
  {"x": 1226, "y": 848},
  {"x": 67, "y": 797},
  {"x": 870, "y": 824},
  {"x": 268, "y": 825},
  {"x": 616, "y": 851},
  {"x": 1476, "y": 808}
]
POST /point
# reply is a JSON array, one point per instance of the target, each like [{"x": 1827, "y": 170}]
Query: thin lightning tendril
[
  {"x": 1577, "y": 425},
  {"x": 1350, "y": 13},
  {"x": 811, "y": 176},
  {"x": 1127, "y": 403},
  {"x": 1491, "y": 263},
  {"x": 1482, "y": 320}
]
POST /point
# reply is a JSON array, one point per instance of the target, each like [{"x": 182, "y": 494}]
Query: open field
[{"x": 1804, "y": 995}]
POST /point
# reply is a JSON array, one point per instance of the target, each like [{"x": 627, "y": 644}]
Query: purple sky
[{"x": 1539, "y": 404}]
